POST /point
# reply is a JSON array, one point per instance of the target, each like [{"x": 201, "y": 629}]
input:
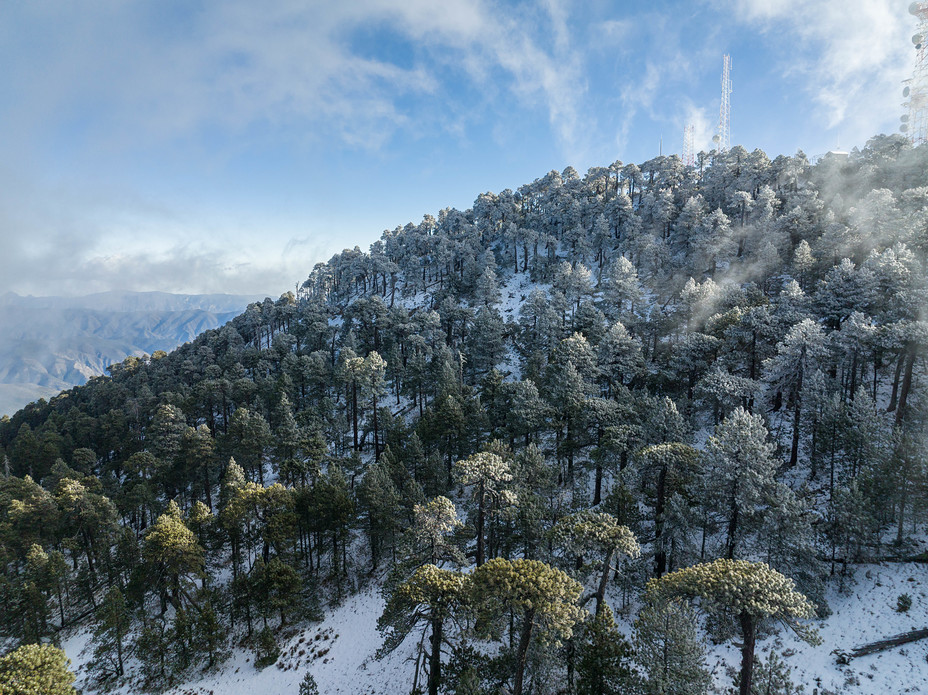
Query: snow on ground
[
  {"x": 513, "y": 294},
  {"x": 865, "y": 613},
  {"x": 339, "y": 651},
  {"x": 76, "y": 645}
]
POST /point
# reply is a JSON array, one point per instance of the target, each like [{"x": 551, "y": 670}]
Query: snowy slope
[{"x": 340, "y": 650}]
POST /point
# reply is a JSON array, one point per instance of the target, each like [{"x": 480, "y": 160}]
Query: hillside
[
  {"x": 683, "y": 405},
  {"x": 48, "y": 344}
]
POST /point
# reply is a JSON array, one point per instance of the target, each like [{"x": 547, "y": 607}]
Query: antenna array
[
  {"x": 689, "y": 147},
  {"x": 722, "y": 138},
  {"x": 915, "y": 122}
]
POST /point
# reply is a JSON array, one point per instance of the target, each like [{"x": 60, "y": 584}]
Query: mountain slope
[
  {"x": 611, "y": 377},
  {"x": 48, "y": 344}
]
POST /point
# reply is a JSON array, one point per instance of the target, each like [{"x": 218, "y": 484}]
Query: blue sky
[{"x": 228, "y": 146}]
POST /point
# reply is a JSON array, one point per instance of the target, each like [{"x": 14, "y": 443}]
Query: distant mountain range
[{"x": 48, "y": 344}]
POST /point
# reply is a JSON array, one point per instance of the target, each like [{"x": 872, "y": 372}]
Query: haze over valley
[{"x": 49, "y": 344}]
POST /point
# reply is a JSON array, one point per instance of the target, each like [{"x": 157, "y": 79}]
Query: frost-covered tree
[
  {"x": 524, "y": 409},
  {"x": 803, "y": 262},
  {"x": 670, "y": 650},
  {"x": 174, "y": 556},
  {"x": 844, "y": 290},
  {"x": 488, "y": 475},
  {"x": 739, "y": 474},
  {"x": 36, "y": 669},
  {"x": 429, "y": 597},
  {"x": 599, "y": 532},
  {"x": 308, "y": 685},
  {"x": 619, "y": 358},
  {"x": 531, "y": 597},
  {"x": 433, "y": 525},
  {"x": 622, "y": 290},
  {"x": 797, "y": 355},
  {"x": 746, "y": 591},
  {"x": 665, "y": 469}
]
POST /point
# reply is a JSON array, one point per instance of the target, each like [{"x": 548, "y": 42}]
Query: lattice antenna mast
[
  {"x": 689, "y": 148},
  {"x": 722, "y": 137},
  {"x": 915, "y": 122}
]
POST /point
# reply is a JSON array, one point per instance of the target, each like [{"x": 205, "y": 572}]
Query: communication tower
[
  {"x": 722, "y": 138},
  {"x": 915, "y": 122},
  {"x": 689, "y": 149}
]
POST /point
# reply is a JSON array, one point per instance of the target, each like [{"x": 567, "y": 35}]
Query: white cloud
[
  {"x": 704, "y": 125},
  {"x": 851, "y": 56},
  {"x": 93, "y": 86},
  {"x": 235, "y": 64}
]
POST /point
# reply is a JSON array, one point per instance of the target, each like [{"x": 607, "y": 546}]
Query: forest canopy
[{"x": 555, "y": 395}]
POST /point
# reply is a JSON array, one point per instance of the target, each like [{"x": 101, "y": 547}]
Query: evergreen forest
[{"x": 574, "y": 435}]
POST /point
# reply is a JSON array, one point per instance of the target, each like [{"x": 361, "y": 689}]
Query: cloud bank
[{"x": 186, "y": 146}]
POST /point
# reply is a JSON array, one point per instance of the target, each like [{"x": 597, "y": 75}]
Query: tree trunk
[
  {"x": 906, "y": 383},
  {"x": 354, "y": 411},
  {"x": 435, "y": 657},
  {"x": 206, "y": 486},
  {"x": 895, "y": 392},
  {"x": 747, "y": 652},
  {"x": 376, "y": 431},
  {"x": 660, "y": 556},
  {"x": 732, "y": 531},
  {"x": 524, "y": 639},
  {"x": 480, "y": 522},
  {"x": 797, "y": 414},
  {"x": 603, "y": 580}
]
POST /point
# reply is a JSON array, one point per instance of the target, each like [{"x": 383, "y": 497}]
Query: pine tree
[
  {"x": 739, "y": 473},
  {"x": 34, "y": 609},
  {"x": 266, "y": 649},
  {"x": 308, "y": 685},
  {"x": 666, "y": 469},
  {"x": 36, "y": 669},
  {"x": 603, "y": 658},
  {"x": 797, "y": 355},
  {"x": 279, "y": 588},
  {"x": 429, "y": 596},
  {"x": 152, "y": 646},
  {"x": 209, "y": 631},
  {"x": 598, "y": 531},
  {"x": 622, "y": 291},
  {"x": 670, "y": 650},
  {"x": 772, "y": 677},
  {"x": 488, "y": 475},
  {"x": 619, "y": 358},
  {"x": 534, "y": 595},
  {"x": 380, "y": 500},
  {"x": 174, "y": 556},
  {"x": 749, "y": 591},
  {"x": 112, "y": 625}
]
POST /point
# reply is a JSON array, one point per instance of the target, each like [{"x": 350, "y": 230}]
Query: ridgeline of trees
[{"x": 650, "y": 372}]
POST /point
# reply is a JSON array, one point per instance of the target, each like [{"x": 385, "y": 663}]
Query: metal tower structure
[
  {"x": 689, "y": 148},
  {"x": 722, "y": 138},
  {"x": 915, "y": 122}
]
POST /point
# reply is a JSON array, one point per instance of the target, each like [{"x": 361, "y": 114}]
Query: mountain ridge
[
  {"x": 51, "y": 343},
  {"x": 637, "y": 385}
]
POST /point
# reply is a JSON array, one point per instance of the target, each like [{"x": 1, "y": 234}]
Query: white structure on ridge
[
  {"x": 689, "y": 147},
  {"x": 722, "y": 138},
  {"x": 915, "y": 122}
]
